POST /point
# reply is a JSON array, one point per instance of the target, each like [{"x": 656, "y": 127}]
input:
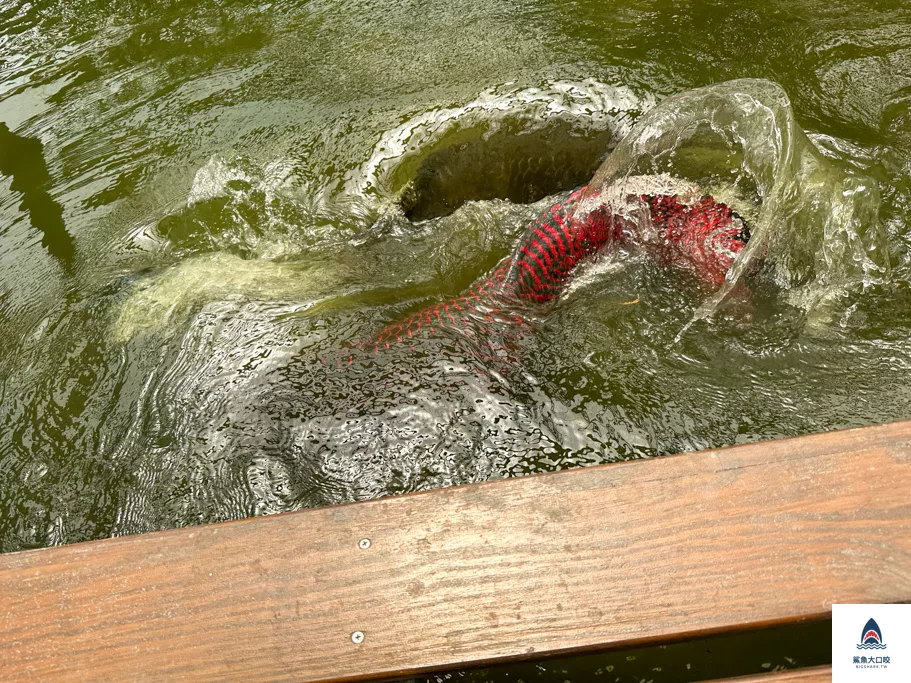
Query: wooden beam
[
  {"x": 813, "y": 674},
  {"x": 572, "y": 561}
]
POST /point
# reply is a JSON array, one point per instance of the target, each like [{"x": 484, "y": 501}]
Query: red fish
[{"x": 702, "y": 236}]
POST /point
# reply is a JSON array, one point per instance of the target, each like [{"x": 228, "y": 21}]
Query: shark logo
[{"x": 872, "y": 638}]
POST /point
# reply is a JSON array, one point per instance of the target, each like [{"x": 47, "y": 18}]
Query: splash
[
  {"x": 244, "y": 221},
  {"x": 247, "y": 232},
  {"x": 248, "y": 411},
  {"x": 255, "y": 211},
  {"x": 586, "y": 107},
  {"x": 815, "y": 228}
]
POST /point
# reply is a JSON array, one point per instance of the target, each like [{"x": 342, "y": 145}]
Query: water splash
[
  {"x": 587, "y": 106},
  {"x": 265, "y": 211},
  {"x": 225, "y": 433},
  {"x": 814, "y": 227}
]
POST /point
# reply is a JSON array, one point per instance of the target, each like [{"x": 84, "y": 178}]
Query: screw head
[
  {"x": 364, "y": 543},
  {"x": 357, "y": 637}
]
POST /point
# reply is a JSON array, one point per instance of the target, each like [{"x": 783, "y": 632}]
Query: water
[
  {"x": 721, "y": 656},
  {"x": 200, "y": 205}
]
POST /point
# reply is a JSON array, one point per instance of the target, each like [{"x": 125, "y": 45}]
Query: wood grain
[
  {"x": 813, "y": 674},
  {"x": 573, "y": 561}
]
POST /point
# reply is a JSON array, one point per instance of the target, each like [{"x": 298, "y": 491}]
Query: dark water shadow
[
  {"x": 22, "y": 158},
  {"x": 720, "y": 656}
]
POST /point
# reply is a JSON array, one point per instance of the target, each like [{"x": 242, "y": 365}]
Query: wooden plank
[
  {"x": 813, "y": 674},
  {"x": 573, "y": 561}
]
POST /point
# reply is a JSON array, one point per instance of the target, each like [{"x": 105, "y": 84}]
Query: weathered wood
[
  {"x": 572, "y": 561},
  {"x": 813, "y": 674}
]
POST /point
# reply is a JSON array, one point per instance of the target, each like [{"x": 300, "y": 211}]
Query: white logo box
[{"x": 884, "y": 656}]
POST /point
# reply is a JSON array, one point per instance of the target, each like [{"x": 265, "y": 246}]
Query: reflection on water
[
  {"x": 236, "y": 177},
  {"x": 22, "y": 159}
]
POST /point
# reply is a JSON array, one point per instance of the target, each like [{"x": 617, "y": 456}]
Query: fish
[{"x": 670, "y": 218}]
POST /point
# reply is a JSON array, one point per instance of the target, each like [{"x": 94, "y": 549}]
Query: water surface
[{"x": 202, "y": 202}]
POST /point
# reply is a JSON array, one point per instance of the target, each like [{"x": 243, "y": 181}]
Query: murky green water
[{"x": 201, "y": 203}]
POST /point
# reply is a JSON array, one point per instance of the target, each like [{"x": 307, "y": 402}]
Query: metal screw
[
  {"x": 364, "y": 543},
  {"x": 357, "y": 637}
]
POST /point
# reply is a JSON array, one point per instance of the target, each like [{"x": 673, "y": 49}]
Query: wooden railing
[{"x": 581, "y": 560}]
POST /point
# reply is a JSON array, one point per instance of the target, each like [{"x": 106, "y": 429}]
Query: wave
[{"x": 815, "y": 227}]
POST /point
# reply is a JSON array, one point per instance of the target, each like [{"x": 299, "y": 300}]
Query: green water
[{"x": 202, "y": 202}]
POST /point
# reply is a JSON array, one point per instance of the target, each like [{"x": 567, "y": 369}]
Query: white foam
[{"x": 589, "y": 104}]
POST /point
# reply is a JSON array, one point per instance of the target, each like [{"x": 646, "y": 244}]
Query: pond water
[{"x": 202, "y": 203}]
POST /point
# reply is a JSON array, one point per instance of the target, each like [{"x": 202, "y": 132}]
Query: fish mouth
[{"x": 744, "y": 234}]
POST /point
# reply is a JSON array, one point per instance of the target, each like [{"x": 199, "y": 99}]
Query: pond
[{"x": 203, "y": 206}]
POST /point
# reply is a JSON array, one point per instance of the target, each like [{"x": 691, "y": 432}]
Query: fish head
[{"x": 704, "y": 237}]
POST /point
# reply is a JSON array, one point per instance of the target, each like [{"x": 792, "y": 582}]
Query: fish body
[{"x": 667, "y": 217}]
